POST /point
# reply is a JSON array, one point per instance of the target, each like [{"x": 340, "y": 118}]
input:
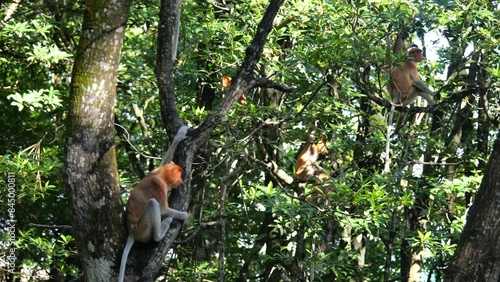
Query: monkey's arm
[
  {"x": 399, "y": 44},
  {"x": 423, "y": 91},
  {"x": 166, "y": 211},
  {"x": 421, "y": 86},
  {"x": 175, "y": 214},
  {"x": 179, "y": 136}
]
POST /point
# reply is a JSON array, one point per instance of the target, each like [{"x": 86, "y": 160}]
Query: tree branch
[
  {"x": 455, "y": 97},
  {"x": 54, "y": 226},
  {"x": 244, "y": 78},
  {"x": 267, "y": 83},
  {"x": 165, "y": 66},
  {"x": 165, "y": 73},
  {"x": 202, "y": 226}
]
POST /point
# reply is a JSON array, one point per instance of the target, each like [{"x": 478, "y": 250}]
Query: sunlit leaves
[
  {"x": 47, "y": 55},
  {"x": 36, "y": 99}
]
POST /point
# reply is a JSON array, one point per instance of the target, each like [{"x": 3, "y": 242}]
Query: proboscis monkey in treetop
[{"x": 405, "y": 84}]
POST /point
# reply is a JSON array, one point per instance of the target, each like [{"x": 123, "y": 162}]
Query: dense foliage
[{"x": 376, "y": 225}]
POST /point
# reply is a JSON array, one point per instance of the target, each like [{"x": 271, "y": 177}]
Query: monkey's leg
[
  {"x": 175, "y": 214},
  {"x": 150, "y": 225},
  {"x": 421, "y": 90},
  {"x": 399, "y": 124}
]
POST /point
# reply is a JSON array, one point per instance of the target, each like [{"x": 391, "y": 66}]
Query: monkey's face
[
  {"x": 417, "y": 55},
  {"x": 322, "y": 148},
  {"x": 172, "y": 174},
  {"x": 226, "y": 81}
]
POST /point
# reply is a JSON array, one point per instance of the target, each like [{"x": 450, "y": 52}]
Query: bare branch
[
  {"x": 311, "y": 98},
  {"x": 276, "y": 171},
  {"x": 202, "y": 226}
]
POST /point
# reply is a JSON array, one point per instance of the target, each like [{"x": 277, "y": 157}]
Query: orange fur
[
  {"x": 306, "y": 167},
  {"x": 226, "y": 82},
  {"x": 405, "y": 84},
  {"x": 147, "y": 206}
]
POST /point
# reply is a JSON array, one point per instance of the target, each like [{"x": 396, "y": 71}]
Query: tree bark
[
  {"x": 477, "y": 257},
  {"x": 91, "y": 175}
]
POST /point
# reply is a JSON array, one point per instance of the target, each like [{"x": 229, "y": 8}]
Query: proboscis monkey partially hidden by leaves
[
  {"x": 226, "y": 82},
  {"x": 405, "y": 84},
  {"x": 306, "y": 165},
  {"x": 307, "y": 168},
  {"x": 148, "y": 203}
]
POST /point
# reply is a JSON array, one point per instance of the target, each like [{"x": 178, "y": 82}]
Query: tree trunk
[
  {"x": 91, "y": 175},
  {"x": 477, "y": 257}
]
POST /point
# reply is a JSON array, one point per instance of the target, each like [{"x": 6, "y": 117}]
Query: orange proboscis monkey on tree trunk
[{"x": 147, "y": 205}]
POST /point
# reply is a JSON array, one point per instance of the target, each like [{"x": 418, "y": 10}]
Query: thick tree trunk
[
  {"x": 477, "y": 257},
  {"x": 90, "y": 164}
]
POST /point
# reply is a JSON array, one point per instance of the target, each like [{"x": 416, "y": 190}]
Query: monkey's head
[
  {"x": 416, "y": 53},
  {"x": 321, "y": 147},
  {"x": 226, "y": 81},
  {"x": 172, "y": 174}
]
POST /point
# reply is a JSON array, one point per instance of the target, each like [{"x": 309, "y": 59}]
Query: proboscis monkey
[
  {"x": 405, "y": 84},
  {"x": 148, "y": 203},
  {"x": 306, "y": 167},
  {"x": 226, "y": 82}
]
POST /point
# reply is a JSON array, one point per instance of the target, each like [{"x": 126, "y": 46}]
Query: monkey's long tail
[
  {"x": 387, "y": 166},
  {"x": 126, "y": 250}
]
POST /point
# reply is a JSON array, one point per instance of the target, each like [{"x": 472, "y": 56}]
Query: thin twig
[
  {"x": 126, "y": 135},
  {"x": 202, "y": 226}
]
